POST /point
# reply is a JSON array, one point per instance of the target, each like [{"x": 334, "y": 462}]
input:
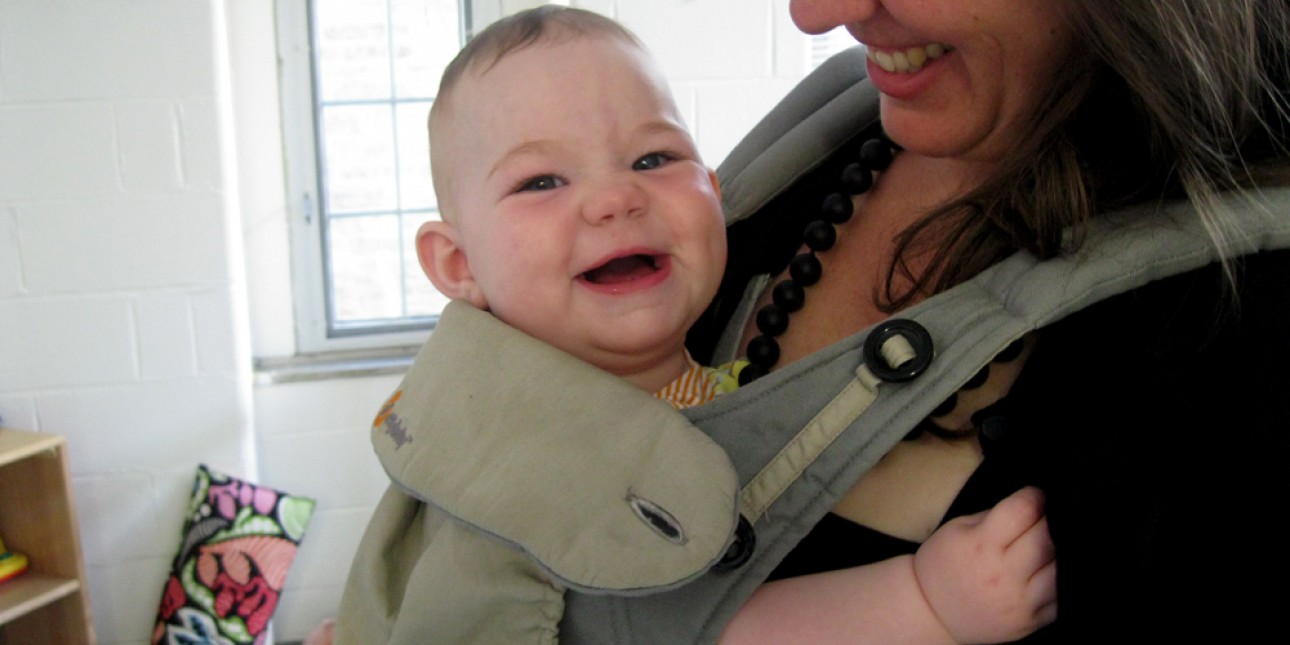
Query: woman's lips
[{"x": 907, "y": 60}]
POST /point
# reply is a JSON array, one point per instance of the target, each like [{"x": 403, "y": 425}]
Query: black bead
[
  {"x": 805, "y": 269},
  {"x": 763, "y": 351},
  {"x": 946, "y": 406},
  {"x": 837, "y": 208},
  {"x": 1011, "y": 352},
  {"x": 789, "y": 295},
  {"x": 993, "y": 428},
  {"x": 978, "y": 379},
  {"x": 856, "y": 179},
  {"x": 772, "y": 320},
  {"x": 751, "y": 372},
  {"x": 819, "y": 236},
  {"x": 876, "y": 154}
]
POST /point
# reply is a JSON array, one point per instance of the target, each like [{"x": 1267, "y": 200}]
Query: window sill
[{"x": 333, "y": 365}]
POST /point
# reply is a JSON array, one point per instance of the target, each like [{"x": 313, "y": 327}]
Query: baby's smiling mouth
[{"x": 623, "y": 269}]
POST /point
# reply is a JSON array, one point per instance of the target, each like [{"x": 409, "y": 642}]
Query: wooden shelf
[
  {"x": 32, "y": 591},
  {"x": 48, "y": 603}
]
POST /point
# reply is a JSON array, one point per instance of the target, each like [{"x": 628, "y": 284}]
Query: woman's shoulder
[{"x": 1204, "y": 311}]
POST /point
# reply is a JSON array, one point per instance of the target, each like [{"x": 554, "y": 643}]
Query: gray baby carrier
[{"x": 799, "y": 438}]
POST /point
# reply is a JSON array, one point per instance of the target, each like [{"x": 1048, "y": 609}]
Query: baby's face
[{"x": 587, "y": 219}]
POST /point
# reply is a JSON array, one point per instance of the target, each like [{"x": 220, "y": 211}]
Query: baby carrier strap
[
  {"x": 814, "y": 120},
  {"x": 802, "y": 436}
]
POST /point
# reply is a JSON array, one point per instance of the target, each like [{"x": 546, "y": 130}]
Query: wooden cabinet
[{"x": 48, "y": 603}]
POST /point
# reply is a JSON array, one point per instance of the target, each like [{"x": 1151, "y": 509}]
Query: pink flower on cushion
[
  {"x": 229, "y": 497},
  {"x": 172, "y": 598},
  {"x": 252, "y": 601}
]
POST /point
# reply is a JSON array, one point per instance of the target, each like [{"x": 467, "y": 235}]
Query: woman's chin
[{"x": 941, "y": 135}]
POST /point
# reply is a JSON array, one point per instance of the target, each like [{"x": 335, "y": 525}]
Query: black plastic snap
[
  {"x": 917, "y": 337},
  {"x": 741, "y": 549}
]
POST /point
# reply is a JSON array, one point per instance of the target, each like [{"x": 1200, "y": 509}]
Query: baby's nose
[{"x": 614, "y": 197}]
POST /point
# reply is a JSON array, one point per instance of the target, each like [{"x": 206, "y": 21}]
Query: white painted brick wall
[
  {"x": 65, "y": 342},
  {"x": 53, "y": 150},
  {"x": 120, "y": 292},
  {"x": 10, "y": 263},
  {"x": 148, "y": 241},
  {"x": 313, "y": 440},
  {"x": 83, "y": 49}
]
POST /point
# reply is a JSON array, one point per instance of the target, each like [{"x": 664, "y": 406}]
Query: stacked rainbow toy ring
[{"x": 11, "y": 564}]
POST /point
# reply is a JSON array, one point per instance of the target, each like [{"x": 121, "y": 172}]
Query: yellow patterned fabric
[{"x": 700, "y": 384}]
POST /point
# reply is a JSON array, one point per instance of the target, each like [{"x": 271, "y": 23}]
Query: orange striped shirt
[{"x": 700, "y": 384}]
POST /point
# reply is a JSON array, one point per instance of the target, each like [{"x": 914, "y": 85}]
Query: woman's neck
[{"x": 855, "y": 269}]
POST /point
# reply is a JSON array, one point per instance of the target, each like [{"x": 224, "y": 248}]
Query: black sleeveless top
[{"x": 1156, "y": 422}]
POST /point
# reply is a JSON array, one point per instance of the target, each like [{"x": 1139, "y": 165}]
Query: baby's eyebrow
[
  {"x": 522, "y": 150},
  {"x": 665, "y": 127}
]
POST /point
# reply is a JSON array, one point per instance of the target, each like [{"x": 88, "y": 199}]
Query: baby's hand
[{"x": 992, "y": 577}]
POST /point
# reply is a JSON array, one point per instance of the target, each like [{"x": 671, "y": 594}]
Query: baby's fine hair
[
  {"x": 520, "y": 30},
  {"x": 547, "y": 23}
]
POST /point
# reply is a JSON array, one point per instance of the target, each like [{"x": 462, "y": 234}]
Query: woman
[{"x": 1083, "y": 134}]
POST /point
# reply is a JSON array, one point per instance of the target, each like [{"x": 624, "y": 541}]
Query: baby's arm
[{"x": 984, "y": 578}]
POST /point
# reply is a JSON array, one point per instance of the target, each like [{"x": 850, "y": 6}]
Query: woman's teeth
[{"x": 907, "y": 61}]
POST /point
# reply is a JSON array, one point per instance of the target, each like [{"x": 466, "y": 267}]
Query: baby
[{"x": 576, "y": 209}]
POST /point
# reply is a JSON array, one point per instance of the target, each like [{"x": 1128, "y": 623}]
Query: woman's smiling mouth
[{"x": 908, "y": 60}]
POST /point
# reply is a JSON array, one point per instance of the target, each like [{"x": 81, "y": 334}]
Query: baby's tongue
[{"x": 621, "y": 270}]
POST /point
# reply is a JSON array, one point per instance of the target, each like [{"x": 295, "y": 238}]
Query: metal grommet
[
  {"x": 741, "y": 549},
  {"x": 914, "y": 334}
]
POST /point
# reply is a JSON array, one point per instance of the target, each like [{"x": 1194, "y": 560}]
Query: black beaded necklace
[{"x": 805, "y": 270}]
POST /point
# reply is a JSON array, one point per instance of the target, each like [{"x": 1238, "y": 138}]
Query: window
[{"x": 358, "y": 79}]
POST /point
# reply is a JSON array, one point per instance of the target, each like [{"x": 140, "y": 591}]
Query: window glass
[{"x": 376, "y": 68}]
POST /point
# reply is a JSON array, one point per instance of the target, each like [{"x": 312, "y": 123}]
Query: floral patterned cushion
[{"x": 238, "y": 541}]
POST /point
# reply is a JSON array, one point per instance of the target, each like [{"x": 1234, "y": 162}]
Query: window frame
[{"x": 311, "y": 285}]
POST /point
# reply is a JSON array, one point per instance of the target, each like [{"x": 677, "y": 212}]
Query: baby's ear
[{"x": 444, "y": 261}]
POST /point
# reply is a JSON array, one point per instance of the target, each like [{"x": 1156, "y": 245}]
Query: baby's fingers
[
  {"x": 1034, "y": 546},
  {"x": 1014, "y": 516},
  {"x": 1042, "y": 592}
]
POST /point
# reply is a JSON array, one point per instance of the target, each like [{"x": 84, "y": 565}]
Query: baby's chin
[{"x": 629, "y": 359}]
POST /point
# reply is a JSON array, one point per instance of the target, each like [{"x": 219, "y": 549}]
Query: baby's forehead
[{"x": 489, "y": 82}]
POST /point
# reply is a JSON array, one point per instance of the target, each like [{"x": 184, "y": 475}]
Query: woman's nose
[
  {"x": 819, "y": 16},
  {"x": 612, "y": 197}
]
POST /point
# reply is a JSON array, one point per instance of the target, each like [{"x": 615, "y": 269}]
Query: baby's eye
[
  {"x": 541, "y": 182},
  {"x": 652, "y": 160}
]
